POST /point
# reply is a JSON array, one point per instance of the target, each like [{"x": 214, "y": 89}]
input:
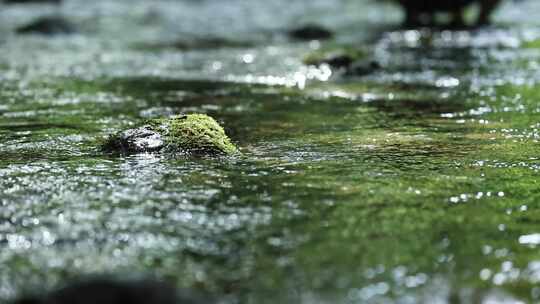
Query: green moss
[
  {"x": 533, "y": 44},
  {"x": 195, "y": 133}
]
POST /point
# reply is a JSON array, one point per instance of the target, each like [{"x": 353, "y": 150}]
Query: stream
[{"x": 416, "y": 182}]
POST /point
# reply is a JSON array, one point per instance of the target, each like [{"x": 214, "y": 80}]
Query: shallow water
[{"x": 416, "y": 183}]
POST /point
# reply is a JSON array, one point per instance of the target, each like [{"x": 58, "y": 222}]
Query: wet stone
[
  {"x": 209, "y": 44},
  {"x": 337, "y": 57},
  {"x": 199, "y": 44},
  {"x": 142, "y": 139},
  {"x": 363, "y": 68},
  {"x": 336, "y": 60},
  {"x": 353, "y": 61},
  {"x": 311, "y": 32},
  {"x": 48, "y": 26}
]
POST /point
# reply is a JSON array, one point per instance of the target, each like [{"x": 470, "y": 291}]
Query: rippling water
[{"x": 415, "y": 183}]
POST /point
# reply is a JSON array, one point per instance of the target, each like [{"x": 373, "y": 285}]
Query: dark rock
[
  {"x": 311, "y": 32},
  {"x": 48, "y": 26},
  {"x": 363, "y": 68},
  {"x": 338, "y": 58},
  {"x": 109, "y": 291},
  {"x": 207, "y": 43},
  {"x": 210, "y": 43},
  {"x": 138, "y": 140},
  {"x": 339, "y": 61},
  {"x": 422, "y": 12},
  {"x": 336, "y": 61}
]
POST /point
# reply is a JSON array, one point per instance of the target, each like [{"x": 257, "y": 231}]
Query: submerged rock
[
  {"x": 109, "y": 291},
  {"x": 336, "y": 57},
  {"x": 354, "y": 61},
  {"x": 190, "y": 134},
  {"x": 207, "y": 43},
  {"x": 362, "y": 68},
  {"x": 336, "y": 60},
  {"x": 210, "y": 43},
  {"x": 48, "y": 26},
  {"x": 311, "y": 32},
  {"x": 138, "y": 140}
]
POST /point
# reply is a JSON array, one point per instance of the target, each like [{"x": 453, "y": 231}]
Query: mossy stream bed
[{"x": 417, "y": 182}]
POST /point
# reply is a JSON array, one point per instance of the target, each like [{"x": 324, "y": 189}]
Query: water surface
[{"x": 415, "y": 183}]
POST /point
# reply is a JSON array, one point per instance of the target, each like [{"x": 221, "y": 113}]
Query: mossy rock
[{"x": 197, "y": 134}]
